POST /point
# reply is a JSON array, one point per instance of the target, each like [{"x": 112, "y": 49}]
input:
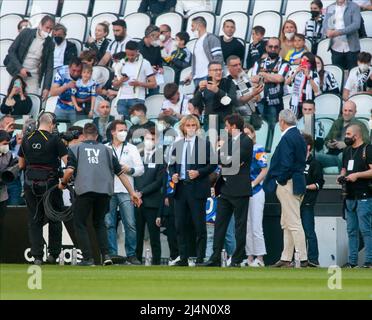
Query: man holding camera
[
  {"x": 356, "y": 178},
  {"x": 40, "y": 156}
]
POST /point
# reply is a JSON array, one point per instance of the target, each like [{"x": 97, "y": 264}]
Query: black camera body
[
  {"x": 70, "y": 135},
  {"x": 342, "y": 181}
]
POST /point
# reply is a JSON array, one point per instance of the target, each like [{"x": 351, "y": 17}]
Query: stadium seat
[
  {"x": 50, "y": 104},
  {"x": 78, "y": 45},
  {"x": 326, "y": 123},
  {"x": 191, "y": 45},
  {"x": 169, "y": 76},
  {"x": 235, "y": 5},
  {"x": 70, "y": 21},
  {"x": 36, "y": 18},
  {"x": 265, "y": 5},
  {"x": 286, "y": 101},
  {"x": 5, "y": 79},
  {"x": 101, "y": 75},
  {"x": 186, "y": 89},
  {"x": 137, "y": 24},
  {"x": 71, "y": 6},
  {"x": 367, "y": 17},
  {"x": 39, "y": 6},
  {"x": 366, "y": 44},
  {"x": 323, "y": 51},
  {"x": 154, "y": 104},
  {"x": 109, "y": 17},
  {"x": 363, "y": 102},
  {"x": 15, "y": 7},
  {"x": 8, "y": 26},
  {"x": 300, "y": 17},
  {"x": 209, "y": 17},
  {"x": 276, "y": 138},
  {"x": 364, "y": 120},
  {"x": 83, "y": 122},
  {"x": 296, "y": 5},
  {"x": 328, "y": 105},
  {"x": 131, "y": 6},
  {"x": 2, "y": 96},
  {"x": 337, "y": 72},
  {"x": 173, "y": 19},
  {"x": 101, "y": 6},
  {"x": 114, "y": 110},
  {"x": 242, "y": 23},
  {"x": 184, "y": 6},
  {"x": 36, "y": 105},
  {"x": 4, "y": 47},
  {"x": 261, "y": 135},
  {"x": 308, "y": 44},
  {"x": 272, "y": 29}
]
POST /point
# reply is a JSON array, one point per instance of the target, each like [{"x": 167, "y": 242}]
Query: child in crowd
[
  {"x": 257, "y": 47},
  {"x": 294, "y": 55},
  {"x": 84, "y": 95}
]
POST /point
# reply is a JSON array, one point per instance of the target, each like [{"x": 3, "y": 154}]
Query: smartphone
[
  {"x": 209, "y": 79},
  {"x": 28, "y": 74},
  {"x": 125, "y": 75}
]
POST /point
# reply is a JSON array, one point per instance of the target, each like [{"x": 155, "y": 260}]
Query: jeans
[
  {"x": 359, "y": 216},
  {"x": 14, "y": 193},
  {"x": 308, "y": 223},
  {"x": 125, "y": 104},
  {"x": 126, "y": 209},
  {"x": 329, "y": 160},
  {"x": 62, "y": 114}
]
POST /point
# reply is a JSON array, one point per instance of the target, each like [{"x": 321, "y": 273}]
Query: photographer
[
  {"x": 356, "y": 179},
  {"x": 40, "y": 156}
]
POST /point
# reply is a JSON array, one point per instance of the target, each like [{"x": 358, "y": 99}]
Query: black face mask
[
  {"x": 349, "y": 141},
  {"x": 273, "y": 55},
  {"x": 74, "y": 78},
  {"x": 58, "y": 40},
  {"x": 119, "y": 38},
  {"x": 315, "y": 14}
]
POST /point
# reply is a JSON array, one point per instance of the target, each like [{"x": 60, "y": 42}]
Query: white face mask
[
  {"x": 363, "y": 67},
  {"x": 289, "y": 35},
  {"x": 43, "y": 34},
  {"x": 122, "y": 135},
  {"x": 149, "y": 144},
  {"x": 196, "y": 33},
  {"x": 162, "y": 37},
  {"x": 4, "y": 148},
  {"x": 156, "y": 43},
  {"x": 135, "y": 120},
  {"x": 160, "y": 126}
]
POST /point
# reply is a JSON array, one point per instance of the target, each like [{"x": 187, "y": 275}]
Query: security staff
[
  {"x": 94, "y": 166},
  {"x": 40, "y": 156}
]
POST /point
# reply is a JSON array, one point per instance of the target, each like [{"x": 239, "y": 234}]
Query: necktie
[{"x": 187, "y": 157}]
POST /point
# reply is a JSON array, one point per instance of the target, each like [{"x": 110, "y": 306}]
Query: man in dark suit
[
  {"x": 286, "y": 177},
  {"x": 235, "y": 189},
  {"x": 190, "y": 172},
  {"x": 149, "y": 187}
]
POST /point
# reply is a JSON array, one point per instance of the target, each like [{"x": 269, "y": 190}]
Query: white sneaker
[
  {"x": 173, "y": 262},
  {"x": 257, "y": 263},
  {"x": 228, "y": 261},
  {"x": 244, "y": 263}
]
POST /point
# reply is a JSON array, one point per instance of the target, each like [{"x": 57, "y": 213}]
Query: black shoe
[
  {"x": 133, "y": 260},
  {"x": 234, "y": 265},
  {"x": 313, "y": 264},
  {"x": 211, "y": 263},
  {"x": 367, "y": 265},
  {"x": 304, "y": 264},
  {"x": 181, "y": 263},
  {"x": 86, "y": 263},
  {"x": 51, "y": 259},
  {"x": 107, "y": 260},
  {"x": 350, "y": 266},
  {"x": 38, "y": 262},
  {"x": 282, "y": 264}
]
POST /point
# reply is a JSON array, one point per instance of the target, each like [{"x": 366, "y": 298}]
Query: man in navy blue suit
[{"x": 286, "y": 177}]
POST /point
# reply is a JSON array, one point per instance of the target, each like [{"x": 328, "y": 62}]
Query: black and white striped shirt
[
  {"x": 329, "y": 83},
  {"x": 313, "y": 30}
]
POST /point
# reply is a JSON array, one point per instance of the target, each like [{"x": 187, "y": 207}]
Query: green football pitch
[{"x": 149, "y": 283}]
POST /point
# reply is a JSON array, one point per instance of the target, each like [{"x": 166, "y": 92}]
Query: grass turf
[{"x": 146, "y": 283}]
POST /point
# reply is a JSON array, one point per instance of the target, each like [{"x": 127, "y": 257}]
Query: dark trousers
[
  {"x": 346, "y": 60},
  {"x": 37, "y": 219},
  {"x": 185, "y": 206},
  {"x": 148, "y": 216},
  {"x": 98, "y": 204},
  {"x": 226, "y": 207},
  {"x": 2, "y": 216},
  {"x": 168, "y": 221},
  {"x": 308, "y": 223}
]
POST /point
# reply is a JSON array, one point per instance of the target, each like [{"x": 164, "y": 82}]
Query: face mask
[
  {"x": 314, "y": 14},
  {"x": 119, "y": 38},
  {"x": 156, "y": 43},
  {"x": 135, "y": 120},
  {"x": 160, "y": 126},
  {"x": 177, "y": 43},
  {"x": 44, "y": 34},
  {"x": 273, "y": 55},
  {"x": 196, "y": 33},
  {"x": 121, "y": 136},
  {"x": 363, "y": 67},
  {"x": 149, "y": 144},
  {"x": 74, "y": 78},
  {"x": 289, "y": 35},
  {"x": 349, "y": 141},
  {"x": 162, "y": 37},
  {"x": 58, "y": 40},
  {"x": 4, "y": 149}
]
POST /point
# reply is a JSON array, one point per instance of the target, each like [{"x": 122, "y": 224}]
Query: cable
[{"x": 54, "y": 215}]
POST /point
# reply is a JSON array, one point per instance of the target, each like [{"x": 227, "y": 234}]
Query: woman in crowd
[
  {"x": 255, "y": 242},
  {"x": 17, "y": 102},
  {"x": 313, "y": 28},
  {"x": 289, "y": 30},
  {"x": 327, "y": 81},
  {"x": 100, "y": 43},
  {"x": 305, "y": 82}
]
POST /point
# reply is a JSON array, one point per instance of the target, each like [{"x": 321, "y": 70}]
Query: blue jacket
[{"x": 288, "y": 162}]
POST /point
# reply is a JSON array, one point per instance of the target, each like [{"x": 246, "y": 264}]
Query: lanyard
[{"x": 121, "y": 152}]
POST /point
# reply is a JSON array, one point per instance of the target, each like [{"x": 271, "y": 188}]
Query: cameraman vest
[{"x": 94, "y": 170}]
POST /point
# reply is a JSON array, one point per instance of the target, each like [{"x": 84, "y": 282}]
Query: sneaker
[
  {"x": 181, "y": 263},
  {"x": 257, "y": 263},
  {"x": 107, "y": 261},
  {"x": 173, "y": 262},
  {"x": 38, "y": 262},
  {"x": 244, "y": 263},
  {"x": 86, "y": 263},
  {"x": 282, "y": 264},
  {"x": 313, "y": 264},
  {"x": 133, "y": 260},
  {"x": 228, "y": 262},
  {"x": 367, "y": 265},
  {"x": 51, "y": 259},
  {"x": 350, "y": 266}
]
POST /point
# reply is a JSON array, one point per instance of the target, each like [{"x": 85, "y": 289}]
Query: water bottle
[
  {"x": 147, "y": 258},
  {"x": 74, "y": 257},
  {"x": 62, "y": 258},
  {"x": 297, "y": 259},
  {"x": 223, "y": 258}
]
